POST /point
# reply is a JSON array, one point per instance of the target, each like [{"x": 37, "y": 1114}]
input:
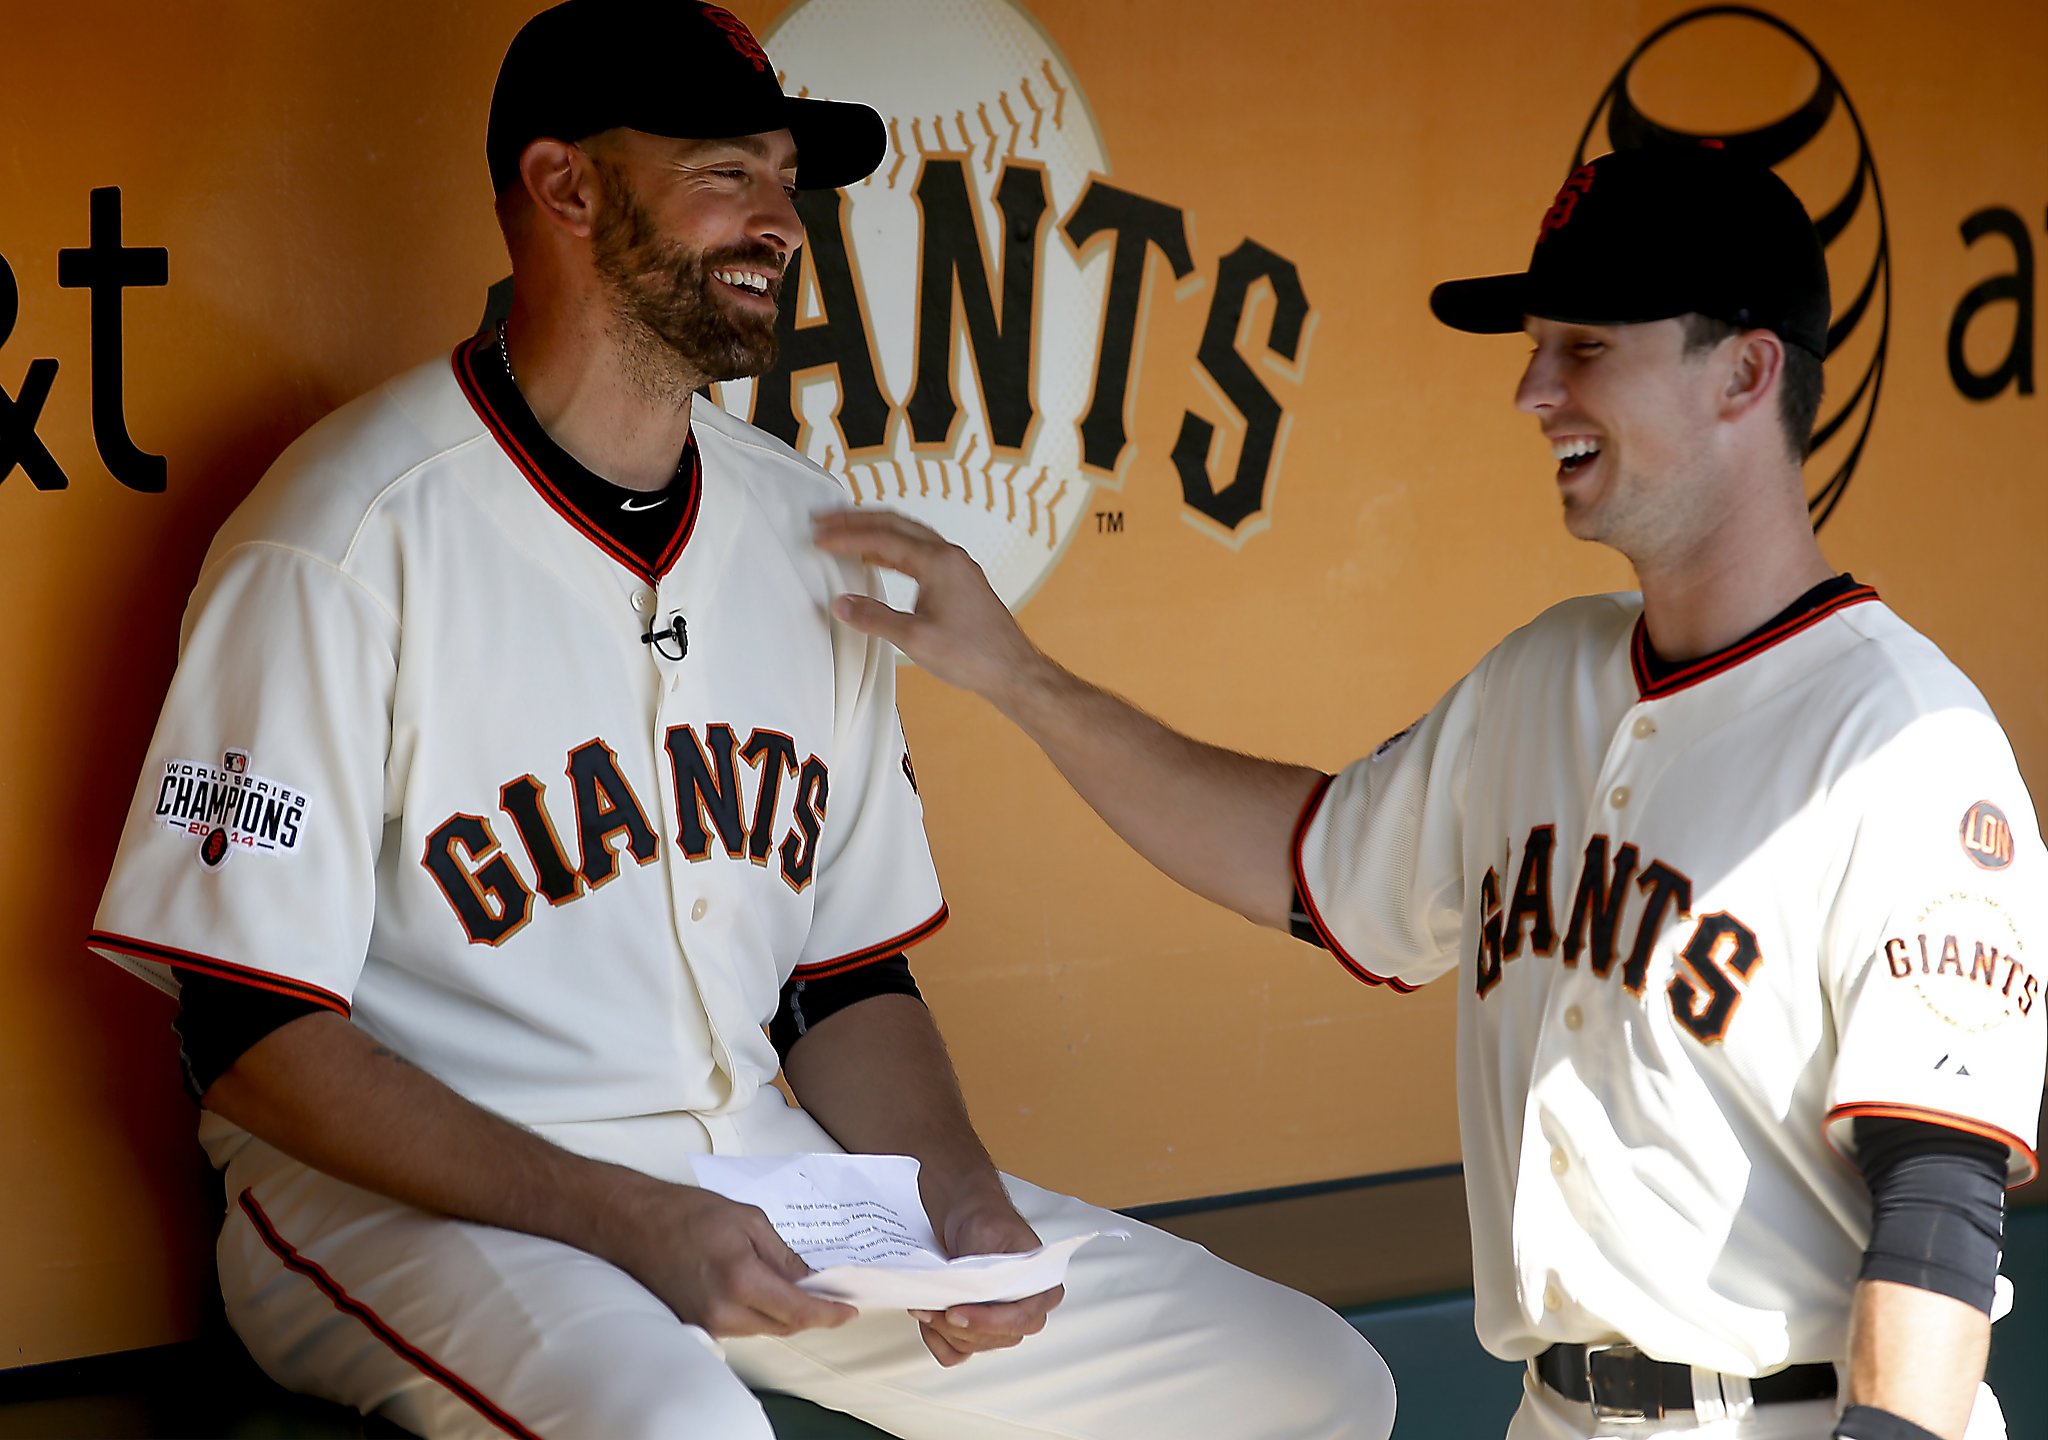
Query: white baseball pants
[{"x": 452, "y": 1329}]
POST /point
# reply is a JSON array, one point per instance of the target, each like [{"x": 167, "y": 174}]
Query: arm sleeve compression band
[
  {"x": 803, "y": 1003},
  {"x": 1938, "y": 1200},
  {"x": 218, "y": 1020}
]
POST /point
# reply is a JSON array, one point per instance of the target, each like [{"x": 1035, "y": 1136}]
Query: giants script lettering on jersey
[
  {"x": 1942, "y": 955},
  {"x": 493, "y": 898},
  {"x": 1714, "y": 964}
]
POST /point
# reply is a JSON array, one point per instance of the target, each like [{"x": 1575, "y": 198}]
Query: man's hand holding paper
[{"x": 861, "y": 1224}]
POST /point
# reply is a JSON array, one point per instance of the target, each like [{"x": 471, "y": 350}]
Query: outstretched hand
[{"x": 960, "y": 630}]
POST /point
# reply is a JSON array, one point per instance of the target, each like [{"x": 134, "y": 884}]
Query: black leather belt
[{"x": 1622, "y": 1383}]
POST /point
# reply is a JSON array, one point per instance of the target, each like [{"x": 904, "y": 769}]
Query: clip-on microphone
[{"x": 675, "y": 633}]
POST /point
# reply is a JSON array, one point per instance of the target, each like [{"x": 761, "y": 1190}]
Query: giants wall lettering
[{"x": 963, "y": 338}]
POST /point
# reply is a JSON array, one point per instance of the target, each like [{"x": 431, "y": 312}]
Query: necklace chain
[{"x": 505, "y": 354}]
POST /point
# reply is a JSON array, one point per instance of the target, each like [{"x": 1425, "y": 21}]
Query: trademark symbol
[{"x": 1109, "y": 522}]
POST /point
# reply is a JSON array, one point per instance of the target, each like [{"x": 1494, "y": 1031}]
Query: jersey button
[
  {"x": 1618, "y": 796},
  {"x": 1559, "y": 1161},
  {"x": 1645, "y": 727},
  {"x": 697, "y": 910},
  {"x": 641, "y": 600},
  {"x": 1573, "y": 1019}
]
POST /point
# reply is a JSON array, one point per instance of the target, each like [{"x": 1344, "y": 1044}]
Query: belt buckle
[{"x": 1619, "y": 1387}]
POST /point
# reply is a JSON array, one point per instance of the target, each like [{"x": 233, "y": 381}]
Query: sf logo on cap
[
  {"x": 736, "y": 30},
  {"x": 1560, "y": 211}
]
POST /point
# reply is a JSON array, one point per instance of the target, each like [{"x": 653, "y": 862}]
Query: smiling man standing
[
  {"x": 518, "y": 808},
  {"x": 1736, "y": 876}
]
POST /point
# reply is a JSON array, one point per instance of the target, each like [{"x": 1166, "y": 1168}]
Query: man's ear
[
  {"x": 563, "y": 184},
  {"x": 1755, "y": 367}
]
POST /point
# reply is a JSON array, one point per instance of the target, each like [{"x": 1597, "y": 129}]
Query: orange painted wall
[{"x": 314, "y": 172}]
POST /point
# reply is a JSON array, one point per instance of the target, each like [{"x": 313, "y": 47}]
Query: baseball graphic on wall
[{"x": 980, "y": 318}]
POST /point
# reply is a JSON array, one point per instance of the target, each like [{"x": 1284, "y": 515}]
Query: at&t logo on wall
[{"x": 1785, "y": 108}]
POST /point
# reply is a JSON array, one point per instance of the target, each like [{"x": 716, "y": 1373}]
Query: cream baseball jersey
[
  {"x": 1699, "y": 923},
  {"x": 417, "y": 764}
]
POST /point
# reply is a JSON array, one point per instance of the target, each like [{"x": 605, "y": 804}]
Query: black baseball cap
[
  {"x": 1666, "y": 230},
  {"x": 669, "y": 67}
]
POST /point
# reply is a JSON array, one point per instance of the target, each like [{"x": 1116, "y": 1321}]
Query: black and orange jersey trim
[
  {"x": 1656, "y": 678},
  {"x": 552, "y": 472},
  {"x": 880, "y": 950},
  {"x": 220, "y": 969},
  {"x": 1890, "y": 1110},
  {"x": 1308, "y": 901},
  {"x": 347, "y": 1304}
]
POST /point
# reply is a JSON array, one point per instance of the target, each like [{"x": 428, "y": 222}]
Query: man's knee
[
  {"x": 621, "y": 1396},
  {"x": 1363, "y": 1386},
  {"x": 435, "y": 1414},
  {"x": 1282, "y": 1364},
  {"x": 726, "y": 1410},
  {"x": 1323, "y": 1377},
  {"x": 637, "y": 1377}
]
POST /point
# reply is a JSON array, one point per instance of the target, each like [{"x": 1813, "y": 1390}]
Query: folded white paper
[{"x": 859, "y": 1223}]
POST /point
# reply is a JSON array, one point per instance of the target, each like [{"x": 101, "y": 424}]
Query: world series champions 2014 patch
[{"x": 227, "y": 807}]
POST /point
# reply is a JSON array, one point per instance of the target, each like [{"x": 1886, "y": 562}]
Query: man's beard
[{"x": 662, "y": 294}]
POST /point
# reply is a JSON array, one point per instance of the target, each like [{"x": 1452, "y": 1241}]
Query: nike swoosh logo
[{"x": 629, "y": 506}]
